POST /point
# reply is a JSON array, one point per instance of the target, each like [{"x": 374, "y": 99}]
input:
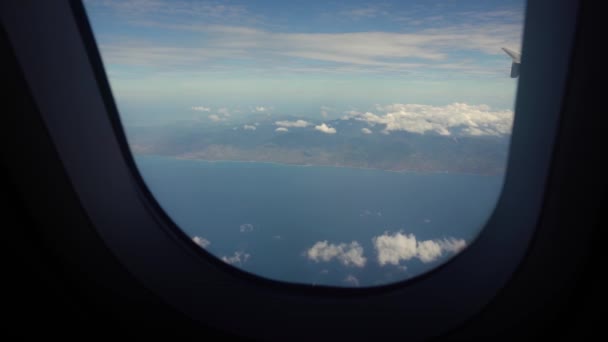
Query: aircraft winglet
[{"x": 516, "y": 57}]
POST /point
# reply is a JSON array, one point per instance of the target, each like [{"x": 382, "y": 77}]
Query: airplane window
[{"x": 347, "y": 143}]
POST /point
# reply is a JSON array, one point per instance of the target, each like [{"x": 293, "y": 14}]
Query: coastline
[{"x": 313, "y": 165}]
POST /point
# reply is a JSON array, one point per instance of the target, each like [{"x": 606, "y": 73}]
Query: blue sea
[{"x": 264, "y": 218}]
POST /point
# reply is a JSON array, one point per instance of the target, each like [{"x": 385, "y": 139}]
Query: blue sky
[{"x": 176, "y": 60}]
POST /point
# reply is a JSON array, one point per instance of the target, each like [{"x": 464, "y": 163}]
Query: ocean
[{"x": 265, "y": 218}]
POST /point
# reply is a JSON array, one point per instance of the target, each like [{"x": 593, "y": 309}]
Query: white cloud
[
  {"x": 200, "y": 108},
  {"x": 392, "y": 249},
  {"x": 325, "y": 129},
  {"x": 348, "y": 254},
  {"x": 261, "y": 109},
  {"x": 223, "y": 111},
  {"x": 455, "y": 118},
  {"x": 429, "y": 250},
  {"x": 222, "y": 114},
  {"x": 246, "y": 228},
  {"x": 366, "y": 130},
  {"x": 452, "y": 244},
  {"x": 215, "y": 118},
  {"x": 201, "y": 241},
  {"x": 297, "y": 123},
  {"x": 249, "y": 127},
  {"x": 368, "y": 212},
  {"x": 281, "y": 129},
  {"x": 324, "y": 251},
  {"x": 352, "y": 280},
  {"x": 238, "y": 258}
]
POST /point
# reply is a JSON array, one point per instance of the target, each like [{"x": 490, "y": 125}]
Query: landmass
[{"x": 349, "y": 147}]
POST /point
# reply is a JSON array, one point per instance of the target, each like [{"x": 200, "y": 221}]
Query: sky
[{"x": 214, "y": 60}]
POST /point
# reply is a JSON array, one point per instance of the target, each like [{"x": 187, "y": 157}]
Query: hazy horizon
[{"x": 188, "y": 60}]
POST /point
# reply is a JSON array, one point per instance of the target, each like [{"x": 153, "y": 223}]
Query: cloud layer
[
  {"x": 348, "y": 254},
  {"x": 346, "y": 38},
  {"x": 392, "y": 249},
  {"x": 452, "y": 119},
  {"x": 424, "y": 49}
]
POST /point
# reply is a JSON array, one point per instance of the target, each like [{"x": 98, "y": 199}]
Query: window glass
[{"x": 343, "y": 143}]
